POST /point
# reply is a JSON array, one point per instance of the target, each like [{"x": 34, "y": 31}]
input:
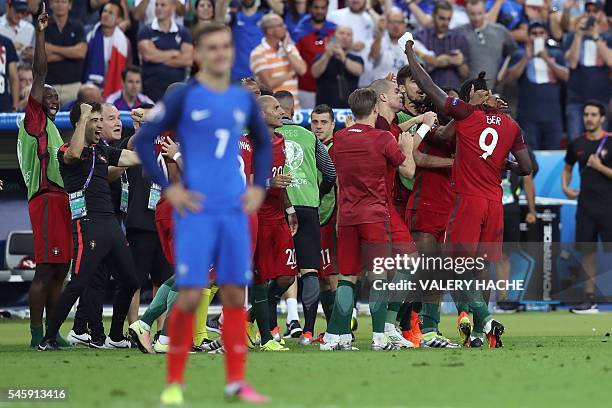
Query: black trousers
[{"x": 96, "y": 241}]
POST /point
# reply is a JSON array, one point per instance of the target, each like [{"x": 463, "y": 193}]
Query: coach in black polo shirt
[
  {"x": 166, "y": 50},
  {"x": 96, "y": 233},
  {"x": 593, "y": 152},
  {"x": 66, "y": 49}
]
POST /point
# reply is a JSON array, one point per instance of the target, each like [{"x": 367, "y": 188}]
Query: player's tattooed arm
[
  {"x": 290, "y": 211},
  {"x": 408, "y": 167},
  {"x": 423, "y": 80}
]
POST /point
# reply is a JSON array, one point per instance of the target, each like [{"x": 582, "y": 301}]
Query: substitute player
[
  {"x": 362, "y": 156},
  {"x": 37, "y": 146},
  {"x": 484, "y": 137},
  {"x": 210, "y": 217}
]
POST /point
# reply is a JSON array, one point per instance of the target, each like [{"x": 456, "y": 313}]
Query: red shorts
[
  {"x": 476, "y": 227},
  {"x": 327, "y": 250},
  {"x": 275, "y": 253},
  {"x": 165, "y": 229},
  {"x": 401, "y": 239},
  {"x": 357, "y": 241},
  {"x": 51, "y": 227},
  {"x": 428, "y": 222}
]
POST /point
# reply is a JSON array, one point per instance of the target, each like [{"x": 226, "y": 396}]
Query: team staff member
[
  {"x": 362, "y": 156},
  {"x": 306, "y": 156},
  {"x": 96, "y": 233},
  {"x": 37, "y": 144},
  {"x": 592, "y": 152},
  {"x": 322, "y": 124}
]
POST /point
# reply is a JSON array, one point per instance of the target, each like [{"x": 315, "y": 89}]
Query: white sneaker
[
  {"x": 141, "y": 336},
  {"x": 82, "y": 339},
  {"x": 121, "y": 344},
  {"x": 395, "y": 336},
  {"x": 331, "y": 342},
  {"x": 381, "y": 342},
  {"x": 160, "y": 348}
]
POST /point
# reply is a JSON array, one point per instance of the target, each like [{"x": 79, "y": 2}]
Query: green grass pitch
[{"x": 549, "y": 360}]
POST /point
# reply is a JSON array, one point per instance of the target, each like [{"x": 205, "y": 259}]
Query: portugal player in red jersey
[{"x": 484, "y": 138}]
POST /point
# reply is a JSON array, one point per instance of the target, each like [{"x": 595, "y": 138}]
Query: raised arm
[
  {"x": 77, "y": 142},
  {"x": 39, "y": 67},
  {"x": 423, "y": 80},
  {"x": 140, "y": 11},
  {"x": 221, "y": 10}
]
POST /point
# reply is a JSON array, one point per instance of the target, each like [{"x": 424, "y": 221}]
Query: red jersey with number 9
[
  {"x": 271, "y": 210},
  {"x": 484, "y": 136}
]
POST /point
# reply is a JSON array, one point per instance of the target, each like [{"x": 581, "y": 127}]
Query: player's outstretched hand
[
  {"x": 183, "y": 200},
  {"x": 252, "y": 199},
  {"x": 42, "y": 22},
  {"x": 280, "y": 181},
  {"x": 292, "y": 220}
]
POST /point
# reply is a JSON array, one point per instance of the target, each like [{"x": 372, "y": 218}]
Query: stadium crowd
[
  {"x": 105, "y": 202},
  {"x": 551, "y": 53}
]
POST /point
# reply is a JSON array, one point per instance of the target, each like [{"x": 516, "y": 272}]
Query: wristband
[
  {"x": 267, "y": 183},
  {"x": 177, "y": 156},
  {"x": 423, "y": 130},
  {"x": 290, "y": 210}
]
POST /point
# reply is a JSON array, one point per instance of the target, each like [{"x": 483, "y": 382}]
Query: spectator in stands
[
  {"x": 24, "y": 73},
  {"x": 293, "y": 13},
  {"x": 21, "y": 32},
  {"x": 574, "y": 11},
  {"x": 540, "y": 71},
  {"x": 245, "y": 28},
  {"x": 108, "y": 50},
  {"x": 386, "y": 55},
  {"x": 276, "y": 62},
  {"x": 448, "y": 66},
  {"x": 204, "y": 13},
  {"x": 363, "y": 23},
  {"x": 337, "y": 70},
  {"x": 423, "y": 19},
  {"x": 9, "y": 91},
  {"x": 66, "y": 50},
  {"x": 130, "y": 96},
  {"x": 589, "y": 59},
  {"x": 510, "y": 14},
  {"x": 166, "y": 50},
  {"x": 311, "y": 35},
  {"x": 489, "y": 43},
  {"x": 145, "y": 11}
]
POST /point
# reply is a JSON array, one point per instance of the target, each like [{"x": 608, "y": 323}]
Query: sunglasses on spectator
[{"x": 247, "y": 79}]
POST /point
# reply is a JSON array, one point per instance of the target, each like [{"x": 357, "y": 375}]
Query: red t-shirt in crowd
[
  {"x": 484, "y": 136},
  {"x": 271, "y": 210},
  {"x": 35, "y": 123},
  {"x": 432, "y": 186},
  {"x": 362, "y": 155},
  {"x": 246, "y": 157}
]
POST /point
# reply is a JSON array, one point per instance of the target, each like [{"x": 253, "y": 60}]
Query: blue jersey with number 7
[{"x": 209, "y": 124}]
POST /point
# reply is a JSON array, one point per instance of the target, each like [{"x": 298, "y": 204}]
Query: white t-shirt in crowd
[{"x": 391, "y": 59}]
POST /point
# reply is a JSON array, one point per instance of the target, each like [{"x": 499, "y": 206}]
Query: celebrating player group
[{"x": 250, "y": 199}]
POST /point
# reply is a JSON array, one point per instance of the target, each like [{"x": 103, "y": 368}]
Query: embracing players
[{"x": 484, "y": 138}]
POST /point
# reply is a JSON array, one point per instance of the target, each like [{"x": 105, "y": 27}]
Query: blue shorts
[{"x": 219, "y": 238}]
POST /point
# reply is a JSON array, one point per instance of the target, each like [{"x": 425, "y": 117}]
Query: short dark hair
[
  {"x": 473, "y": 2},
  {"x": 362, "y": 102},
  {"x": 310, "y": 3},
  {"x": 146, "y": 106},
  {"x": 403, "y": 74},
  {"x": 116, "y": 3},
  {"x": 597, "y": 104},
  {"x": 75, "y": 111},
  {"x": 480, "y": 83},
  {"x": 264, "y": 90},
  {"x": 24, "y": 67},
  {"x": 442, "y": 5},
  {"x": 210, "y": 28},
  {"x": 323, "y": 108},
  {"x": 282, "y": 94},
  {"x": 130, "y": 68}
]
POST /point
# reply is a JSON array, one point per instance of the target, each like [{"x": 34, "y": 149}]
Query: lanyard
[
  {"x": 601, "y": 144},
  {"x": 93, "y": 165}
]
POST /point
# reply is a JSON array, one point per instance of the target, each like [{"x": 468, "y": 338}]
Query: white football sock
[{"x": 292, "y": 310}]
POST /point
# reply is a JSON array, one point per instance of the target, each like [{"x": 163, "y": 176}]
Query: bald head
[
  {"x": 381, "y": 86},
  {"x": 270, "y": 21},
  {"x": 344, "y": 36},
  {"x": 89, "y": 93},
  {"x": 285, "y": 98},
  {"x": 272, "y": 111},
  {"x": 389, "y": 95}
]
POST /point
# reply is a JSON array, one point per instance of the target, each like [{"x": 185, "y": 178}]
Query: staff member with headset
[{"x": 96, "y": 233}]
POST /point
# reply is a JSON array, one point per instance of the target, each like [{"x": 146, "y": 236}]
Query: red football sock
[
  {"x": 234, "y": 341},
  {"x": 180, "y": 331}
]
